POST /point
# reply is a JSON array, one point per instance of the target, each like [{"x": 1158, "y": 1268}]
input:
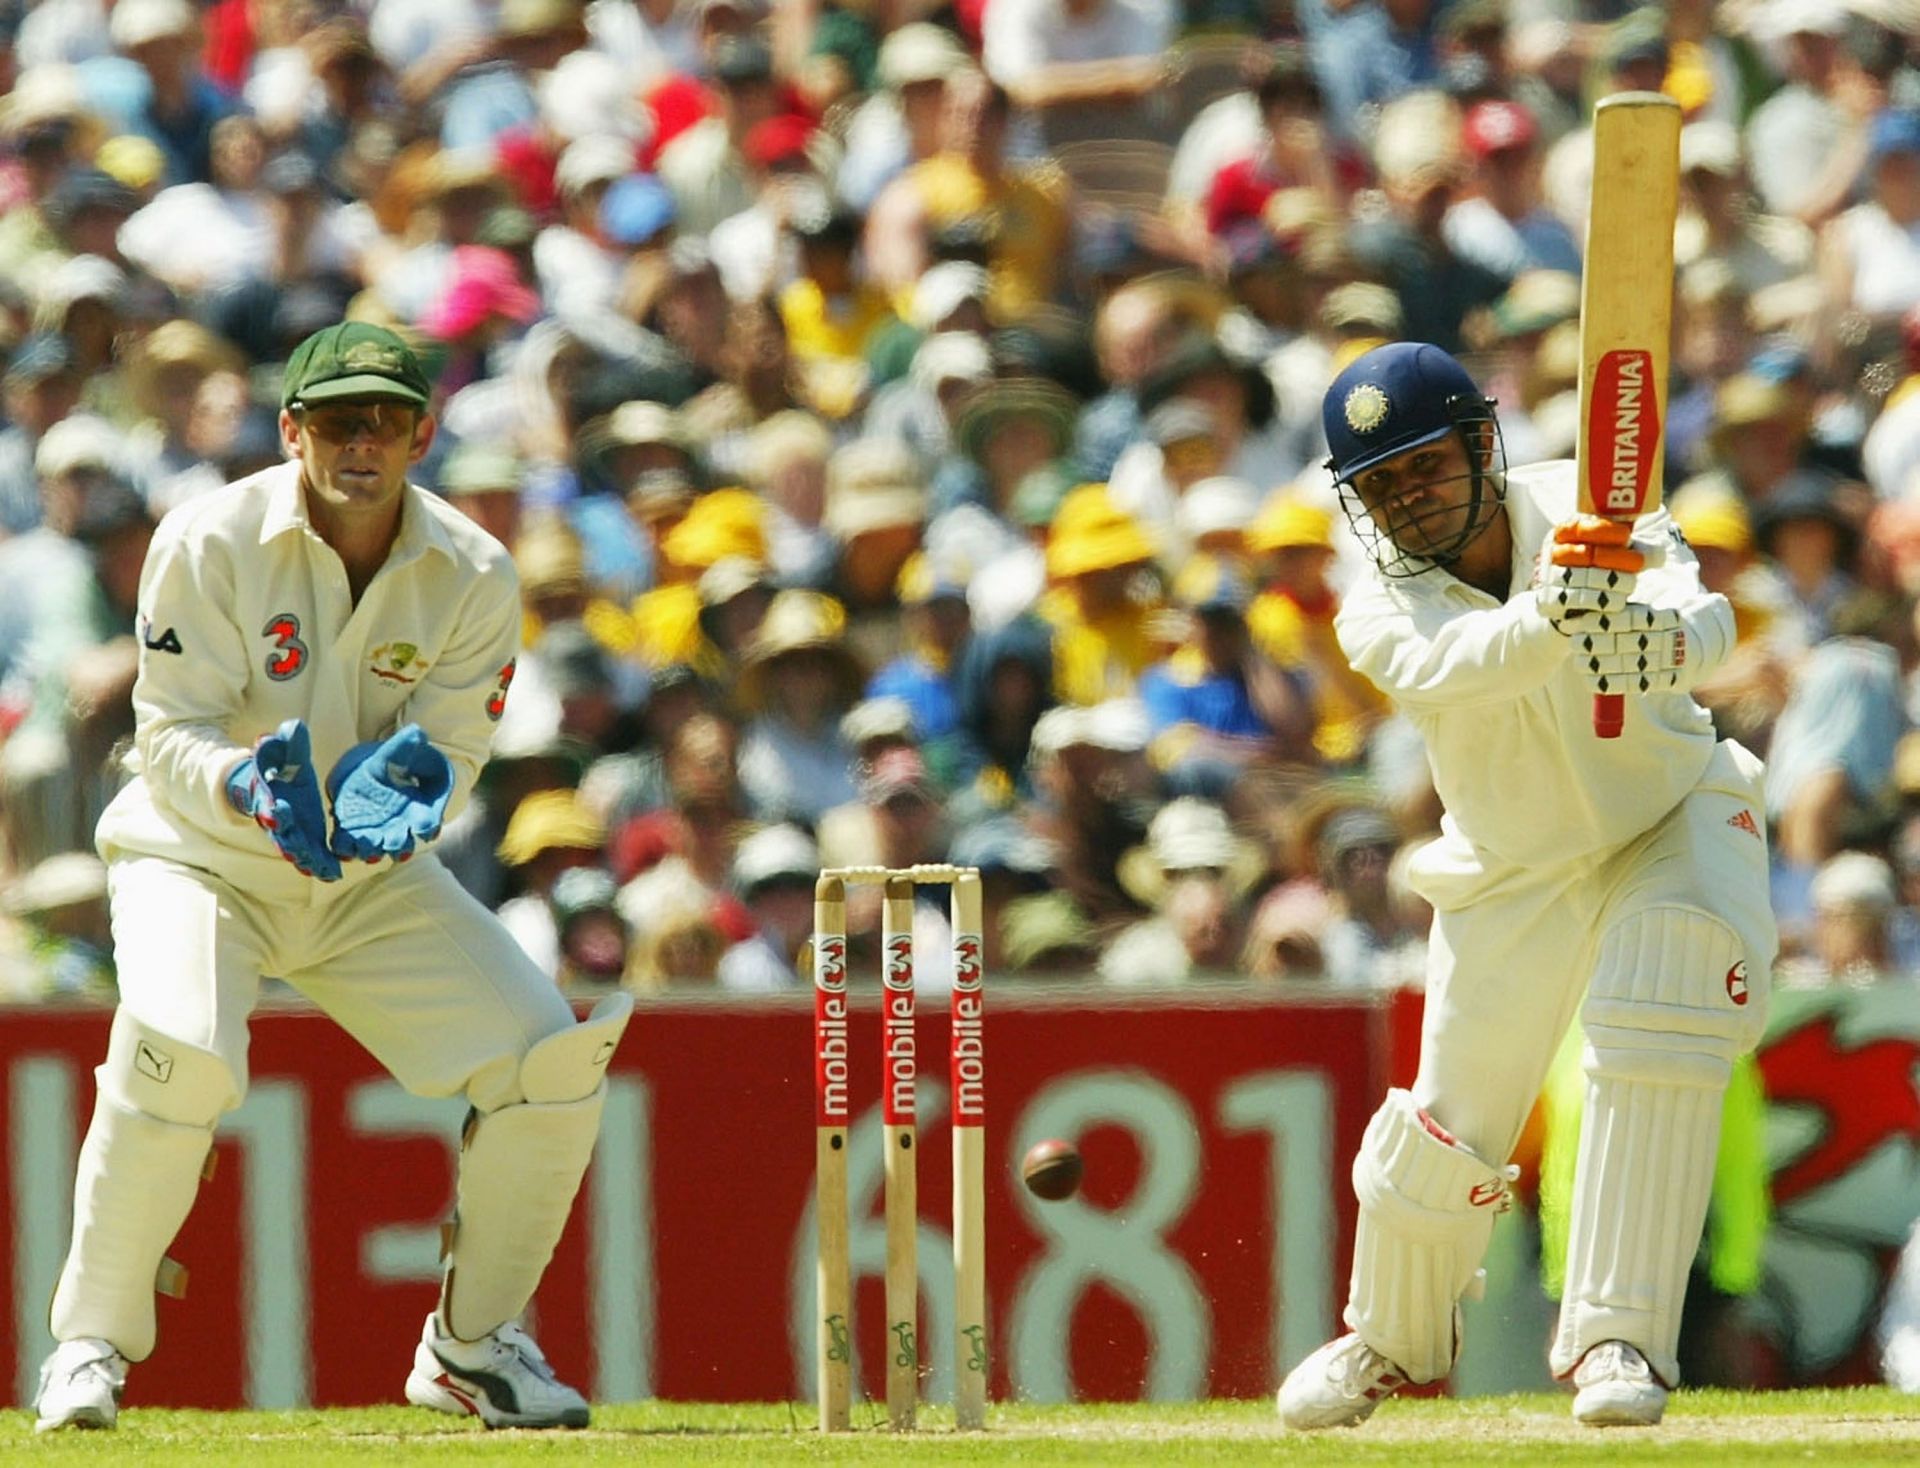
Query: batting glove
[
  {"x": 1641, "y": 649},
  {"x": 275, "y": 786},
  {"x": 1586, "y": 567},
  {"x": 388, "y": 795}
]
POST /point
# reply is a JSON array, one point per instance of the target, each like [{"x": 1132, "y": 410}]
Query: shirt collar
[
  {"x": 420, "y": 529},
  {"x": 286, "y": 510}
]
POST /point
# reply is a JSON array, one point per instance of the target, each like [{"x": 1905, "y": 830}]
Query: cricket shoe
[
  {"x": 1617, "y": 1388},
  {"x": 501, "y": 1378},
  {"x": 80, "y": 1386},
  {"x": 1339, "y": 1385}
]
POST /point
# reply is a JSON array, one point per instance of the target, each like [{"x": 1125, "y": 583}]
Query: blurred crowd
[{"x": 904, "y": 417}]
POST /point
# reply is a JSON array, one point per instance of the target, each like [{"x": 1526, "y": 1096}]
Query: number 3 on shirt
[{"x": 290, "y": 653}]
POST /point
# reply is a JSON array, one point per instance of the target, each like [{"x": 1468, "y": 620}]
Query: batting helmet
[{"x": 1395, "y": 398}]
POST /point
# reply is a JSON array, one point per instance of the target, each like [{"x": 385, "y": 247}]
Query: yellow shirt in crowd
[
  {"x": 1031, "y": 241},
  {"x": 1099, "y": 658},
  {"x": 1280, "y": 628}
]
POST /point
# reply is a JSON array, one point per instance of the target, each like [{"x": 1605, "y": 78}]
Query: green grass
[{"x": 1869, "y": 1425}]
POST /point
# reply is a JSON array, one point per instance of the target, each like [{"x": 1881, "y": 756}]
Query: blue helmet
[
  {"x": 1392, "y": 399},
  {"x": 1397, "y": 398}
]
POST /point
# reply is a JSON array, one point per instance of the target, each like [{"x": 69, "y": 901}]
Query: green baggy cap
[{"x": 355, "y": 359}]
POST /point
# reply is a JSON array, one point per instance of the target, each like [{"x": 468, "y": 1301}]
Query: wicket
[{"x": 967, "y": 1074}]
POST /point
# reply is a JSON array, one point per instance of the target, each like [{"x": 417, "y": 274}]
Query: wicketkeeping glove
[
  {"x": 275, "y": 785},
  {"x": 387, "y": 795},
  {"x": 1640, "y": 649},
  {"x": 1586, "y": 567}
]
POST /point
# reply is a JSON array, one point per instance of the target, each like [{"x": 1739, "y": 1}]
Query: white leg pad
[
  {"x": 567, "y": 1066},
  {"x": 1427, "y": 1207},
  {"x": 1670, "y": 1008},
  {"x": 139, "y": 1169},
  {"x": 520, "y": 1167},
  {"x": 519, "y": 1171}
]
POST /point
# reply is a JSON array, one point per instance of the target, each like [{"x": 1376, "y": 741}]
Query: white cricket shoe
[
  {"x": 80, "y": 1386},
  {"x": 1617, "y": 1388},
  {"x": 501, "y": 1378},
  {"x": 1339, "y": 1385}
]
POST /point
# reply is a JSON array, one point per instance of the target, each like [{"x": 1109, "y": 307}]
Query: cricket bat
[{"x": 1626, "y": 318}]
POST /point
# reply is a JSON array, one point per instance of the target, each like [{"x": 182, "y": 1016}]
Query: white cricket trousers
[
  {"x": 409, "y": 964},
  {"x": 1512, "y": 949}
]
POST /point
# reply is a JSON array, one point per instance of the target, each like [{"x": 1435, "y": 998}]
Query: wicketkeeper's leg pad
[
  {"x": 1427, "y": 1206},
  {"x": 1671, "y": 1006},
  {"x": 520, "y": 1167},
  {"x": 139, "y": 1169}
]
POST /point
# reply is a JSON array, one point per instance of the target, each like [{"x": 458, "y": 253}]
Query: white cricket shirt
[
  {"x": 1503, "y": 707},
  {"x": 245, "y": 621}
]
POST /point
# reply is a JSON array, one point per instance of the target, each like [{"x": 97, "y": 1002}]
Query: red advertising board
[{"x": 1205, "y": 1250}]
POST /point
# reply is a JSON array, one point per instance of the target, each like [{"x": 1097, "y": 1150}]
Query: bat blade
[{"x": 1626, "y": 317}]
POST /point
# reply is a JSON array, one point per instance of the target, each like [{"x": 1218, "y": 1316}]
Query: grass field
[{"x": 1849, "y": 1427}]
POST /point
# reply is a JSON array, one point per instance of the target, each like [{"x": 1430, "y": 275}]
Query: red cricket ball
[{"x": 1052, "y": 1169}]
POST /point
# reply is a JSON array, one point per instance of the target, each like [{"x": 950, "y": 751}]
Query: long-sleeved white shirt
[
  {"x": 1503, "y": 707},
  {"x": 1021, "y": 37},
  {"x": 245, "y": 621}
]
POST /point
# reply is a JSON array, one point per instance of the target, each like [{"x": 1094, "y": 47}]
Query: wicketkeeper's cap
[{"x": 354, "y": 359}]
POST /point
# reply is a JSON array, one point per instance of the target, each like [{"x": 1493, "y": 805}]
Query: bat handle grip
[{"x": 1609, "y": 715}]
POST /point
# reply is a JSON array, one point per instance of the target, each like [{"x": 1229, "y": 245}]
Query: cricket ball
[{"x": 1052, "y": 1169}]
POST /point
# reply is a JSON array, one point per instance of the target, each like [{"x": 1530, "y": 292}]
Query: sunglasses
[{"x": 387, "y": 423}]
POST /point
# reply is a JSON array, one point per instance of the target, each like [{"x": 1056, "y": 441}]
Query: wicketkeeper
[
  {"x": 326, "y": 650},
  {"x": 1630, "y": 872}
]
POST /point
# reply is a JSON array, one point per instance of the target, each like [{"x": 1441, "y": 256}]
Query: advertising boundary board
[{"x": 1202, "y": 1255}]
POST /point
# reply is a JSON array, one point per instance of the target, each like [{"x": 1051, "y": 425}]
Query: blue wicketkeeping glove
[
  {"x": 277, "y": 787},
  {"x": 388, "y": 795}
]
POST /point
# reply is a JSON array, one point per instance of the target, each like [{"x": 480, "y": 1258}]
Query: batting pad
[
  {"x": 1427, "y": 1207},
  {"x": 519, "y": 1170},
  {"x": 138, "y": 1172},
  {"x": 1668, "y": 1012}
]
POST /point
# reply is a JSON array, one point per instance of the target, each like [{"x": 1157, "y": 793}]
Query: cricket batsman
[
  {"x": 326, "y": 651},
  {"x": 1630, "y": 873}
]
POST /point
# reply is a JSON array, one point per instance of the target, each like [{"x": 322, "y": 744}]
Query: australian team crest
[
  {"x": 377, "y": 357},
  {"x": 1366, "y": 407},
  {"x": 398, "y": 662}
]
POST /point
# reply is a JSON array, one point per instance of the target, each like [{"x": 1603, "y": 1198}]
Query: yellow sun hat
[
  {"x": 550, "y": 820},
  {"x": 722, "y": 523},
  {"x": 1287, "y": 521},
  {"x": 1719, "y": 521},
  {"x": 1092, "y": 533}
]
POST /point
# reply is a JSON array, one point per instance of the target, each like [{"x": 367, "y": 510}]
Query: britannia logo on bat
[{"x": 1623, "y": 431}]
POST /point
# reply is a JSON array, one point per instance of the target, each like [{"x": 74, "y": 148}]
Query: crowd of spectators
[{"x": 905, "y": 419}]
